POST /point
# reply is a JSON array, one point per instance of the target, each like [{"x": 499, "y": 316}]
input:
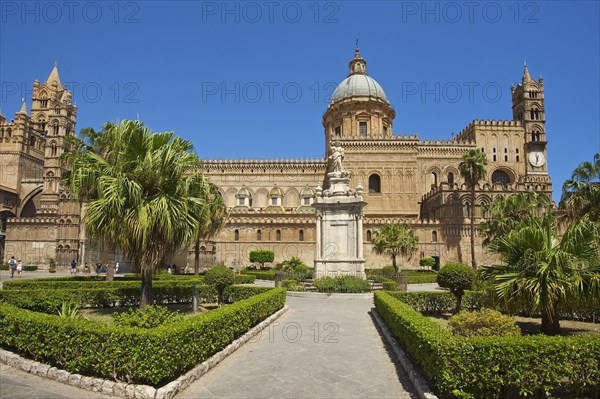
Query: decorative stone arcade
[{"x": 339, "y": 209}]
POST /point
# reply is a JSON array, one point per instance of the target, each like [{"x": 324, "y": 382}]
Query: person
[
  {"x": 86, "y": 268},
  {"x": 73, "y": 267},
  {"x": 117, "y": 267},
  {"x": 174, "y": 268},
  {"x": 20, "y": 268},
  {"x": 98, "y": 265},
  {"x": 12, "y": 265}
]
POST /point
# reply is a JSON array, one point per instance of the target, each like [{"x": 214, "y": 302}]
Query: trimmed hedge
[
  {"x": 490, "y": 367},
  {"x": 50, "y": 300},
  {"x": 26, "y": 268},
  {"x": 349, "y": 284},
  {"x": 93, "y": 282},
  {"x": 414, "y": 276},
  {"x": 441, "y": 302},
  {"x": 144, "y": 356},
  {"x": 261, "y": 275}
]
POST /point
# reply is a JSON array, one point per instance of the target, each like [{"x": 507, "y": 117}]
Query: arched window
[
  {"x": 500, "y": 176},
  {"x": 434, "y": 236},
  {"x": 369, "y": 236},
  {"x": 301, "y": 235},
  {"x": 258, "y": 235},
  {"x": 236, "y": 235},
  {"x": 434, "y": 178},
  {"x": 451, "y": 179},
  {"x": 53, "y": 149},
  {"x": 55, "y": 127},
  {"x": 32, "y": 141},
  {"x": 278, "y": 235},
  {"x": 374, "y": 183},
  {"x": 467, "y": 210}
]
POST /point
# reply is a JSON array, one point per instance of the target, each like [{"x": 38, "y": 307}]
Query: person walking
[
  {"x": 116, "y": 267},
  {"x": 73, "y": 267},
  {"x": 12, "y": 266},
  {"x": 20, "y": 268}
]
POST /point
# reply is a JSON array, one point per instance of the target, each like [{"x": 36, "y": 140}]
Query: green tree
[
  {"x": 262, "y": 256},
  {"x": 541, "y": 271},
  {"x": 472, "y": 169},
  {"x": 143, "y": 192},
  {"x": 581, "y": 193},
  {"x": 506, "y": 213},
  {"x": 213, "y": 219},
  {"x": 457, "y": 277},
  {"x": 220, "y": 277},
  {"x": 394, "y": 240}
]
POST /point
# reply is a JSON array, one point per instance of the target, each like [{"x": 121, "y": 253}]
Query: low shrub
[
  {"x": 288, "y": 283},
  {"x": 220, "y": 277},
  {"x": 390, "y": 285},
  {"x": 261, "y": 275},
  {"x": 492, "y": 367},
  {"x": 483, "y": 323},
  {"x": 154, "y": 316},
  {"x": 436, "y": 302},
  {"x": 348, "y": 284},
  {"x": 388, "y": 270},
  {"x": 427, "y": 262},
  {"x": 133, "y": 355},
  {"x": 27, "y": 268}
]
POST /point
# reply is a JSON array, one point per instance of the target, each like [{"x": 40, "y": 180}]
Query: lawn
[{"x": 531, "y": 325}]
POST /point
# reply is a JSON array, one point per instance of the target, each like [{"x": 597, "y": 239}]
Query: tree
[
  {"x": 394, "y": 240},
  {"x": 472, "y": 169},
  {"x": 143, "y": 191},
  {"x": 542, "y": 272},
  {"x": 506, "y": 213},
  {"x": 213, "y": 219},
  {"x": 457, "y": 277},
  {"x": 581, "y": 193},
  {"x": 220, "y": 277},
  {"x": 262, "y": 256}
]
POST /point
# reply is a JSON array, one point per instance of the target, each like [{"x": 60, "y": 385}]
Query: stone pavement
[
  {"x": 17, "y": 384},
  {"x": 323, "y": 347}
]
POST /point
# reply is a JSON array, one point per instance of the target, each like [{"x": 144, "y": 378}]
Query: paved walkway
[{"x": 323, "y": 347}]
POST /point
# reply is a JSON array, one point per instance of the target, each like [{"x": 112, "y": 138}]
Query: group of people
[{"x": 15, "y": 266}]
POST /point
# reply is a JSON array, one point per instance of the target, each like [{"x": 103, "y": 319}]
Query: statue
[{"x": 336, "y": 157}]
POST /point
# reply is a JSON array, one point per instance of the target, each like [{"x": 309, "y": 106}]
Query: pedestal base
[{"x": 334, "y": 268}]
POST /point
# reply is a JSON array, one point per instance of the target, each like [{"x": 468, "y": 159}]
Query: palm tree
[
  {"x": 581, "y": 193},
  {"x": 213, "y": 219},
  {"x": 394, "y": 240},
  {"x": 543, "y": 272},
  {"x": 506, "y": 213},
  {"x": 144, "y": 194},
  {"x": 472, "y": 169}
]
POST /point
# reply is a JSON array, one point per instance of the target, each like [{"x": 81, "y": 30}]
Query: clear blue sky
[{"x": 252, "y": 79}]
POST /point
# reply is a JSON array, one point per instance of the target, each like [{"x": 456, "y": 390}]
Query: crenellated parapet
[
  {"x": 263, "y": 165},
  {"x": 33, "y": 220}
]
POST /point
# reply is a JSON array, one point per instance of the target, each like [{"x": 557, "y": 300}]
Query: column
[
  {"x": 360, "y": 236},
  {"x": 318, "y": 239}
]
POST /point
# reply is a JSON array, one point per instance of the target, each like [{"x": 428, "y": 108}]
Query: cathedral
[{"x": 405, "y": 180}]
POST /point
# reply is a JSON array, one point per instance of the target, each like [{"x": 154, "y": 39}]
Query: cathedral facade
[{"x": 405, "y": 179}]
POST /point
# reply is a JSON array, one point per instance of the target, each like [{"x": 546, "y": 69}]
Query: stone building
[{"x": 405, "y": 179}]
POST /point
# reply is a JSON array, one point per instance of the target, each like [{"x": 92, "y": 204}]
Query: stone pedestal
[{"x": 339, "y": 244}]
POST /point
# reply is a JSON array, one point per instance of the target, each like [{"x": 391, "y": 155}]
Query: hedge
[
  {"x": 26, "y": 268},
  {"x": 414, "y": 276},
  {"x": 143, "y": 356},
  {"x": 490, "y": 367},
  {"x": 261, "y": 275},
  {"x": 92, "y": 282},
  {"x": 50, "y": 300}
]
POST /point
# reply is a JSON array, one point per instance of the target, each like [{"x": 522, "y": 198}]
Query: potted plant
[{"x": 51, "y": 265}]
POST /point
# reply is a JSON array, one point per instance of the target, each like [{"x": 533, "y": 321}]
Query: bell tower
[{"x": 528, "y": 108}]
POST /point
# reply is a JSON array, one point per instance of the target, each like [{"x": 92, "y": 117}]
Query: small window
[
  {"x": 258, "y": 235},
  {"x": 385, "y": 130},
  {"x": 241, "y": 201},
  {"x": 306, "y": 200},
  {"x": 55, "y": 127},
  {"x": 374, "y": 183},
  {"x": 338, "y": 131},
  {"x": 369, "y": 236},
  {"x": 451, "y": 179},
  {"x": 43, "y": 103},
  {"x": 362, "y": 129},
  {"x": 434, "y": 236},
  {"x": 467, "y": 210},
  {"x": 274, "y": 201},
  {"x": 236, "y": 235},
  {"x": 301, "y": 235},
  {"x": 32, "y": 141},
  {"x": 278, "y": 235},
  {"x": 506, "y": 158},
  {"x": 494, "y": 157},
  {"x": 434, "y": 178}
]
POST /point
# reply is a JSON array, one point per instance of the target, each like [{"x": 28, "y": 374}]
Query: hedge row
[
  {"x": 491, "y": 367},
  {"x": 444, "y": 301},
  {"x": 134, "y": 355},
  {"x": 260, "y": 274},
  {"x": 414, "y": 276},
  {"x": 50, "y": 300},
  {"x": 87, "y": 282},
  {"x": 27, "y": 268}
]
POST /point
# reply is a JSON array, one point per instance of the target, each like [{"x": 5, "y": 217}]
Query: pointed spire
[
  {"x": 526, "y": 76},
  {"x": 23, "y": 107},
  {"x": 54, "y": 78}
]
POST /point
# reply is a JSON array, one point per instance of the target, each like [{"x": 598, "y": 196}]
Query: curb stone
[
  {"x": 414, "y": 376},
  {"x": 131, "y": 391}
]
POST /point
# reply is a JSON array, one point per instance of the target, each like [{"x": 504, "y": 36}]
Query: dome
[{"x": 358, "y": 85}]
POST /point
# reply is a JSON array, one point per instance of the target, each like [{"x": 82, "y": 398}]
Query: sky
[{"x": 252, "y": 79}]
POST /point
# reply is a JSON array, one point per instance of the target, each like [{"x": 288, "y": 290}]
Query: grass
[
  {"x": 104, "y": 315},
  {"x": 531, "y": 325}
]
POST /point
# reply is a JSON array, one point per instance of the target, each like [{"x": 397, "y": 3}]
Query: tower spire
[
  {"x": 357, "y": 65},
  {"x": 526, "y": 75},
  {"x": 23, "y": 107},
  {"x": 53, "y": 77}
]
